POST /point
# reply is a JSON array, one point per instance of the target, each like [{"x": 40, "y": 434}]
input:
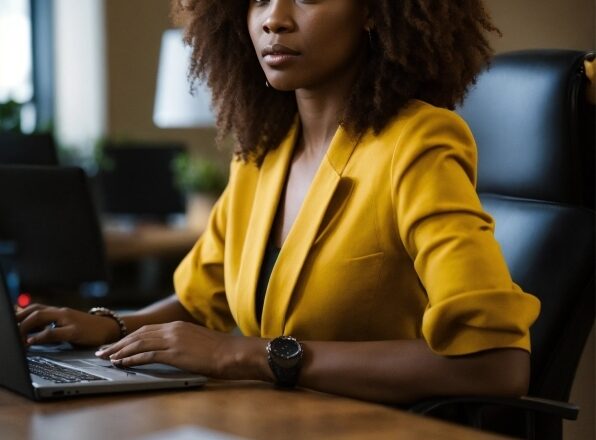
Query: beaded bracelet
[{"x": 103, "y": 311}]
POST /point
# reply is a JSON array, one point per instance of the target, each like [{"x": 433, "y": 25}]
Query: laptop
[
  {"x": 57, "y": 371},
  {"x": 48, "y": 214}
]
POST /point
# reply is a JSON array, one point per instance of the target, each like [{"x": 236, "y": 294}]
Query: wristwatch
[{"x": 285, "y": 359}]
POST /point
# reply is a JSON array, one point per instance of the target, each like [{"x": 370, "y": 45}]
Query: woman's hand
[
  {"x": 193, "y": 348},
  {"x": 41, "y": 324},
  {"x": 181, "y": 344}
]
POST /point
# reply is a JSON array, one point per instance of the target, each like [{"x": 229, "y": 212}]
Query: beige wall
[
  {"x": 133, "y": 32},
  {"x": 134, "y": 28},
  {"x": 526, "y": 24},
  {"x": 133, "y": 36}
]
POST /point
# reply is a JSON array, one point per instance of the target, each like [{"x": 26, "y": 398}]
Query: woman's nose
[{"x": 279, "y": 17}]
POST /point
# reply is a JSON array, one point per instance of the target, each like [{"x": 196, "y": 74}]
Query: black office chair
[
  {"x": 137, "y": 180},
  {"x": 28, "y": 149},
  {"x": 535, "y": 135},
  {"x": 49, "y": 230}
]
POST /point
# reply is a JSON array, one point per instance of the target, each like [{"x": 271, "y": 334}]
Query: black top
[{"x": 269, "y": 259}]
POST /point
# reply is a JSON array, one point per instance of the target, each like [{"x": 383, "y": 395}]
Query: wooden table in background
[
  {"x": 155, "y": 240},
  {"x": 251, "y": 410},
  {"x": 148, "y": 240}
]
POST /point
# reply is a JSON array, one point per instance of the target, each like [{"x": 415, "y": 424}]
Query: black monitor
[
  {"x": 28, "y": 149},
  {"x": 48, "y": 219},
  {"x": 138, "y": 180}
]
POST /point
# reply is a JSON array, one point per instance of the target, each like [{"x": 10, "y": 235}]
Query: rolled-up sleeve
[
  {"x": 199, "y": 278},
  {"x": 473, "y": 305}
]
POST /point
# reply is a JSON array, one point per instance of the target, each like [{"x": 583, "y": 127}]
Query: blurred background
[
  {"x": 102, "y": 83},
  {"x": 86, "y": 70}
]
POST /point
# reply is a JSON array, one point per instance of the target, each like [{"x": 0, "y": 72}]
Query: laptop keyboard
[{"x": 56, "y": 373}]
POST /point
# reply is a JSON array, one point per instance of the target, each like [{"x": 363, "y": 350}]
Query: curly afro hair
[{"x": 430, "y": 50}]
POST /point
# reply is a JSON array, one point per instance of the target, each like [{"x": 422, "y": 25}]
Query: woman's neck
[
  {"x": 319, "y": 121},
  {"x": 320, "y": 110}
]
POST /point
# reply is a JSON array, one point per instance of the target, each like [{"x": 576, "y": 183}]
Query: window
[
  {"x": 26, "y": 64},
  {"x": 16, "y": 57}
]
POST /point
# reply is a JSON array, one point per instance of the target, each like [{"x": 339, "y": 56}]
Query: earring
[
  {"x": 370, "y": 38},
  {"x": 267, "y": 84}
]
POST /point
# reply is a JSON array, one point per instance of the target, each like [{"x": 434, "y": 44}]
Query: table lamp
[{"x": 175, "y": 106}]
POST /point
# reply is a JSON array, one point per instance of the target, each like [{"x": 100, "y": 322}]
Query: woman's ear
[
  {"x": 590, "y": 69},
  {"x": 369, "y": 24}
]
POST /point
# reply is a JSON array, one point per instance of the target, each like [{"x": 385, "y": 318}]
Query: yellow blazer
[{"x": 391, "y": 242}]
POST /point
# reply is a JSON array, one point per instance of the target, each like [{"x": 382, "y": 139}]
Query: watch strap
[{"x": 284, "y": 377}]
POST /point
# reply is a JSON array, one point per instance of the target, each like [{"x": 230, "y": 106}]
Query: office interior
[{"x": 103, "y": 95}]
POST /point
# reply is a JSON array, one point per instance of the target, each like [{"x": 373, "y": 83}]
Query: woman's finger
[
  {"x": 147, "y": 357},
  {"x": 140, "y": 346},
  {"x": 50, "y": 335},
  {"x": 23, "y": 313},
  {"x": 142, "y": 333},
  {"x": 39, "y": 319}
]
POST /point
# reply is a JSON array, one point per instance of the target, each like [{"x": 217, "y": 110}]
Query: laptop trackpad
[{"x": 155, "y": 370}]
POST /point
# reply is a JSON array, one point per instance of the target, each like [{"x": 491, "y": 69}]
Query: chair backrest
[
  {"x": 536, "y": 178},
  {"x": 47, "y": 214},
  {"x": 137, "y": 179},
  {"x": 28, "y": 149}
]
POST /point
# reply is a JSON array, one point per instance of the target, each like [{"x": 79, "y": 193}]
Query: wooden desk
[{"x": 247, "y": 409}]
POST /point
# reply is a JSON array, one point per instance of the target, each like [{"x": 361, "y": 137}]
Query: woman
[{"x": 350, "y": 221}]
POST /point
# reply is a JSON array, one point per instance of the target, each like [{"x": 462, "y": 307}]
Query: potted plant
[
  {"x": 10, "y": 117},
  {"x": 202, "y": 180}
]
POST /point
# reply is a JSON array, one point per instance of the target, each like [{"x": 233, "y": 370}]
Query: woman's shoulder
[
  {"x": 420, "y": 125},
  {"x": 420, "y": 128},
  {"x": 245, "y": 171},
  {"x": 420, "y": 114}
]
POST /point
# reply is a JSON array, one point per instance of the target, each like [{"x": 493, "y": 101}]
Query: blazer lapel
[
  {"x": 272, "y": 177},
  {"x": 303, "y": 233}
]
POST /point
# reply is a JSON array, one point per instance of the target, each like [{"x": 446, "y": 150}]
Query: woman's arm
[
  {"x": 406, "y": 371},
  {"x": 84, "y": 329},
  {"x": 400, "y": 371},
  {"x": 395, "y": 371},
  {"x": 384, "y": 371},
  {"x": 166, "y": 310}
]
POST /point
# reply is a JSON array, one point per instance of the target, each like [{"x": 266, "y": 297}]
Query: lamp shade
[{"x": 175, "y": 106}]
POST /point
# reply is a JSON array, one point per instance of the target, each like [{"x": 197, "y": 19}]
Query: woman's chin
[
  {"x": 283, "y": 82},
  {"x": 282, "y": 86}
]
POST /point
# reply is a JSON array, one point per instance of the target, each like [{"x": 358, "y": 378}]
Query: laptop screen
[
  {"x": 48, "y": 217},
  {"x": 14, "y": 373}
]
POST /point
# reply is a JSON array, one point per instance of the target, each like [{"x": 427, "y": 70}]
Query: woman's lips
[{"x": 276, "y": 55}]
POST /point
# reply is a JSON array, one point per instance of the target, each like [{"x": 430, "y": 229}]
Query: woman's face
[{"x": 307, "y": 43}]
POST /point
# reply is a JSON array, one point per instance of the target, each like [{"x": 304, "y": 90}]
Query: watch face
[{"x": 285, "y": 348}]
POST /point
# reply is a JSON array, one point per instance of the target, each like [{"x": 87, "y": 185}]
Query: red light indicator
[{"x": 23, "y": 300}]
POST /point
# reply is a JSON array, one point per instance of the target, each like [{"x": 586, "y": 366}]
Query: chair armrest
[{"x": 564, "y": 410}]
